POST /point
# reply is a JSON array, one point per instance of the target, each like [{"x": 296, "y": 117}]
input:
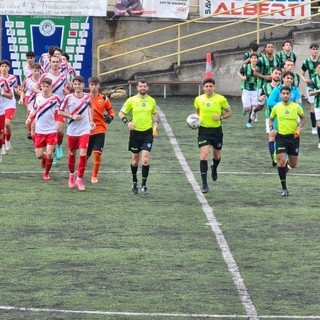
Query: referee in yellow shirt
[
  {"x": 144, "y": 118},
  {"x": 212, "y": 109},
  {"x": 287, "y": 136}
]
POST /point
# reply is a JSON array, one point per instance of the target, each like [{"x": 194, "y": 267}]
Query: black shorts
[
  {"x": 288, "y": 144},
  {"x": 210, "y": 136},
  {"x": 140, "y": 140},
  {"x": 96, "y": 143}
]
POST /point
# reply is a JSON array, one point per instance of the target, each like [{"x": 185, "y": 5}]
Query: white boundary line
[
  {"x": 144, "y": 314},
  {"x": 222, "y": 242}
]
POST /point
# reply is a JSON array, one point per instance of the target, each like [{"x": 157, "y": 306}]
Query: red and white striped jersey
[
  {"x": 27, "y": 87},
  {"x": 82, "y": 106},
  {"x": 4, "y": 87},
  {"x": 13, "y": 83},
  {"x": 45, "y": 109},
  {"x": 58, "y": 83}
]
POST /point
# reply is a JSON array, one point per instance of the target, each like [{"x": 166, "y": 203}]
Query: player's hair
[
  {"x": 47, "y": 81},
  {"x": 78, "y": 78},
  {"x": 208, "y": 80},
  {"x": 285, "y": 88},
  {"x": 253, "y": 46},
  {"x": 314, "y": 45},
  {"x": 287, "y": 41},
  {"x": 265, "y": 46},
  {"x": 7, "y": 62},
  {"x": 253, "y": 54},
  {"x": 94, "y": 80},
  {"x": 142, "y": 81},
  {"x": 36, "y": 66},
  {"x": 56, "y": 48},
  {"x": 30, "y": 54},
  {"x": 290, "y": 60},
  {"x": 51, "y": 50},
  {"x": 53, "y": 57},
  {"x": 288, "y": 73},
  {"x": 277, "y": 68},
  {"x": 66, "y": 56}
]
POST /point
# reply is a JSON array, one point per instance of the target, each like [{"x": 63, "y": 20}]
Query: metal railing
[{"x": 104, "y": 56}]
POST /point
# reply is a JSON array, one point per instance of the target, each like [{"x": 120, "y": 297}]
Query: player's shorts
[
  {"x": 310, "y": 99},
  {"x": 96, "y": 143},
  {"x": 42, "y": 140},
  {"x": 140, "y": 140},
  {"x": 210, "y": 136},
  {"x": 10, "y": 113},
  {"x": 249, "y": 98},
  {"x": 288, "y": 144},
  {"x": 78, "y": 142},
  {"x": 2, "y": 122},
  {"x": 317, "y": 113}
]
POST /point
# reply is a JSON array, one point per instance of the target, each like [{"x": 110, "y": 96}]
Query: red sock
[
  {"x": 60, "y": 138},
  {"x": 48, "y": 165},
  {"x": 82, "y": 166},
  {"x": 71, "y": 163}
]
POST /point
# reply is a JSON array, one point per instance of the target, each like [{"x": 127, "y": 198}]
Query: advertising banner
[
  {"x": 73, "y": 35},
  {"x": 86, "y": 8},
  {"x": 176, "y": 9},
  {"x": 209, "y": 7}
]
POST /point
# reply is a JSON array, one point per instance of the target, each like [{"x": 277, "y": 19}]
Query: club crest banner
[{"x": 209, "y": 7}]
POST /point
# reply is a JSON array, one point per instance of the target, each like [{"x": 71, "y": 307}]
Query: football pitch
[{"x": 240, "y": 251}]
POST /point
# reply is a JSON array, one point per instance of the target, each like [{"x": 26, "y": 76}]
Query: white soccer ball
[{"x": 193, "y": 121}]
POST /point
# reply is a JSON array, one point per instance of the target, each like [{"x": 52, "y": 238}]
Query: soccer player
[
  {"x": 44, "y": 60},
  {"x": 212, "y": 108},
  {"x": 288, "y": 133},
  {"x": 43, "y": 113},
  {"x": 28, "y": 95},
  {"x": 100, "y": 104},
  {"x": 5, "y": 94},
  {"x": 27, "y": 69},
  {"x": 249, "y": 86},
  {"x": 314, "y": 90},
  {"x": 10, "y": 108},
  {"x": 67, "y": 68},
  {"x": 309, "y": 71},
  {"x": 144, "y": 116},
  {"x": 285, "y": 54},
  {"x": 59, "y": 87},
  {"x": 253, "y": 48},
  {"x": 289, "y": 65},
  {"x": 77, "y": 108}
]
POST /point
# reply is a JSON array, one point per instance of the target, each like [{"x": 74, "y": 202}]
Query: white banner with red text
[{"x": 234, "y": 9}]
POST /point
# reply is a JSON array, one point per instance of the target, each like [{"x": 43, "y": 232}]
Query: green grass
[{"x": 108, "y": 250}]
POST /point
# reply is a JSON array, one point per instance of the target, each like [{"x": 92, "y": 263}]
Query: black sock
[
  {"x": 282, "y": 175},
  {"x": 318, "y": 129},
  {"x": 145, "y": 173},
  {"x": 204, "y": 170},
  {"x": 134, "y": 173},
  {"x": 271, "y": 149},
  {"x": 249, "y": 118},
  {"x": 313, "y": 119},
  {"x": 216, "y": 162}
]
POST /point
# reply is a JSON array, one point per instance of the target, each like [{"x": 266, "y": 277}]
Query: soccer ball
[{"x": 193, "y": 121}]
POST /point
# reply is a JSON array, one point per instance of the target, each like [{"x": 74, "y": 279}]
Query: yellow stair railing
[{"x": 104, "y": 56}]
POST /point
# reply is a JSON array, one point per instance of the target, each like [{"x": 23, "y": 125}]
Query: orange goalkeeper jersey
[{"x": 99, "y": 105}]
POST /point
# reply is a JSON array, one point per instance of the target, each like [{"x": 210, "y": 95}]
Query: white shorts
[
  {"x": 249, "y": 98},
  {"x": 317, "y": 113},
  {"x": 310, "y": 98}
]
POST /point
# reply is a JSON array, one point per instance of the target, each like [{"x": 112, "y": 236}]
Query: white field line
[
  {"x": 222, "y": 242},
  {"x": 145, "y": 314}
]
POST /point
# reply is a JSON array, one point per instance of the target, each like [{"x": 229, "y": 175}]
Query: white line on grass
[
  {"x": 144, "y": 314},
  {"x": 222, "y": 242}
]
